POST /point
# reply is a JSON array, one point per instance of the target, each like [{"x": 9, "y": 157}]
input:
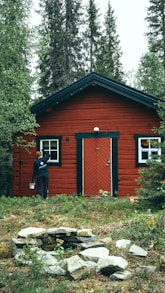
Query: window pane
[
  {"x": 154, "y": 153},
  {"x": 53, "y": 155},
  {"x": 153, "y": 143},
  {"x": 144, "y": 155},
  {"x": 46, "y": 144},
  {"x": 144, "y": 143},
  {"x": 53, "y": 144}
]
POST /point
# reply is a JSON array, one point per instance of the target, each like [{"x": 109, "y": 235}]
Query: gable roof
[{"x": 100, "y": 80}]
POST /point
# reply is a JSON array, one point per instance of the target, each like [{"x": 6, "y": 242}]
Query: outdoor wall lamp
[{"x": 96, "y": 129}]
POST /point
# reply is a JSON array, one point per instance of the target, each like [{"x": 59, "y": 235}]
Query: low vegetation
[{"x": 107, "y": 217}]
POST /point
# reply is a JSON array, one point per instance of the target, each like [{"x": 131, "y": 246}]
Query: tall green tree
[
  {"x": 150, "y": 75},
  {"x": 92, "y": 35},
  {"x": 60, "y": 44},
  {"x": 151, "y": 78},
  {"x": 156, "y": 28},
  {"x": 152, "y": 178},
  {"x": 15, "y": 84},
  {"x": 109, "y": 53}
]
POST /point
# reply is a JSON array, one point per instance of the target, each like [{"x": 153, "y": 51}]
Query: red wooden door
[{"x": 96, "y": 165}]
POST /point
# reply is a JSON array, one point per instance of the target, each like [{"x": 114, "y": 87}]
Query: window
[
  {"x": 51, "y": 145},
  {"x": 147, "y": 148}
]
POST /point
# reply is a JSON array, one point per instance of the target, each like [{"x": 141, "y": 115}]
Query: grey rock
[
  {"x": 123, "y": 243},
  {"x": 147, "y": 269},
  {"x": 91, "y": 245},
  {"x": 106, "y": 240},
  {"x": 46, "y": 259},
  {"x": 53, "y": 270},
  {"x": 162, "y": 262},
  {"x": 122, "y": 275},
  {"x": 32, "y": 232},
  {"x": 111, "y": 264},
  {"x": 84, "y": 232},
  {"x": 94, "y": 254},
  {"x": 76, "y": 239},
  {"x": 91, "y": 264},
  {"x": 62, "y": 230},
  {"x": 21, "y": 242},
  {"x": 138, "y": 251},
  {"x": 77, "y": 268},
  {"x": 21, "y": 259}
]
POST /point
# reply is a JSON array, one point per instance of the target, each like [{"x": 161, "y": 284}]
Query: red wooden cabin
[{"x": 98, "y": 132}]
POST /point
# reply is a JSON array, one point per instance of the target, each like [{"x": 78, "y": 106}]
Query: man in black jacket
[{"x": 40, "y": 171}]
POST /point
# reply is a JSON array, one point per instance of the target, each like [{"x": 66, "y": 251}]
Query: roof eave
[{"x": 101, "y": 81}]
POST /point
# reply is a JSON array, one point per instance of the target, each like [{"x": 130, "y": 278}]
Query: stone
[
  {"x": 84, "y": 233},
  {"x": 122, "y": 275},
  {"x": 123, "y": 243},
  {"x": 62, "y": 230},
  {"x": 138, "y": 251},
  {"x": 21, "y": 242},
  {"x": 111, "y": 264},
  {"x": 20, "y": 259},
  {"x": 53, "y": 270},
  {"x": 94, "y": 254},
  {"x": 32, "y": 232},
  {"x": 74, "y": 241},
  {"x": 91, "y": 264},
  {"x": 91, "y": 245},
  {"x": 107, "y": 240},
  {"x": 147, "y": 269},
  {"x": 79, "y": 239},
  {"x": 88, "y": 238},
  {"x": 77, "y": 268},
  {"x": 5, "y": 250},
  {"x": 44, "y": 257},
  {"x": 162, "y": 262}
]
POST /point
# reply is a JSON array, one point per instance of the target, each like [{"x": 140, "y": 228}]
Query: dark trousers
[{"x": 42, "y": 181}]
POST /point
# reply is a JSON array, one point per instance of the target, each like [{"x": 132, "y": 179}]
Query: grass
[{"x": 106, "y": 217}]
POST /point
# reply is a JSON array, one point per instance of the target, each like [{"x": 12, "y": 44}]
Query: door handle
[{"x": 108, "y": 163}]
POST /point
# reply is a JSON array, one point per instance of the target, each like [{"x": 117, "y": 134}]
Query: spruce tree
[
  {"x": 150, "y": 75},
  {"x": 109, "y": 52},
  {"x": 73, "y": 40},
  {"x": 60, "y": 45},
  {"x": 92, "y": 35},
  {"x": 156, "y": 28},
  {"x": 152, "y": 178}
]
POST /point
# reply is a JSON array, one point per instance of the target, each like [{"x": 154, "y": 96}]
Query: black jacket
[{"x": 40, "y": 167}]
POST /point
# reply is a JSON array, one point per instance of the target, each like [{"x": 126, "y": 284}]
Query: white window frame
[
  {"x": 49, "y": 148},
  {"x": 148, "y": 150}
]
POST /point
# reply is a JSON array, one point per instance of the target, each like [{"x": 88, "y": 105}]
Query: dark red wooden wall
[{"x": 92, "y": 107}]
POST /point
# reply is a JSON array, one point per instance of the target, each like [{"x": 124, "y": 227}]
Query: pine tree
[
  {"x": 109, "y": 53},
  {"x": 60, "y": 45},
  {"x": 150, "y": 75},
  {"x": 15, "y": 83},
  {"x": 156, "y": 25}
]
